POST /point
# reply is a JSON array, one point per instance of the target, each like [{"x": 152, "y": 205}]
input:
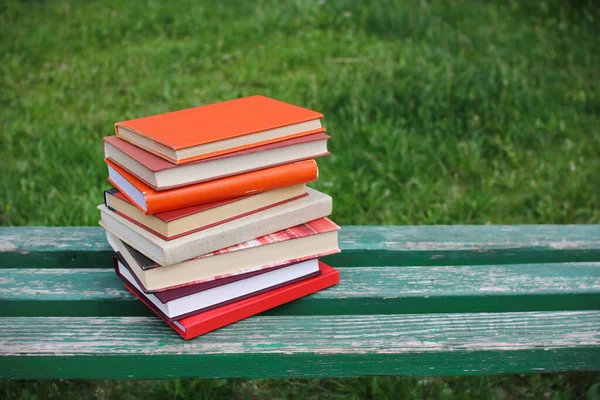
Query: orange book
[
  {"x": 150, "y": 201},
  {"x": 207, "y": 131}
]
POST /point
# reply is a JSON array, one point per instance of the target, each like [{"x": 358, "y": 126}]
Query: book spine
[
  {"x": 238, "y": 234},
  {"x": 112, "y": 191}
]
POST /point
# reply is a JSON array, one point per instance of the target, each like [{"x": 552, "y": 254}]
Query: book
[
  {"x": 170, "y": 225},
  {"x": 163, "y": 252},
  {"x": 150, "y": 201},
  {"x": 214, "y": 129},
  {"x": 205, "y": 298},
  {"x": 299, "y": 243},
  {"x": 204, "y": 322},
  {"x": 160, "y": 174},
  {"x": 183, "y": 290}
]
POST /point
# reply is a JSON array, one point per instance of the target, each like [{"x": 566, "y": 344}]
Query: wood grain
[
  {"x": 302, "y": 346},
  {"x": 86, "y": 247},
  {"x": 436, "y": 300},
  {"x": 363, "y": 290}
]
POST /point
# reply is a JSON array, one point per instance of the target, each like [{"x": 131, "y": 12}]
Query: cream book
[
  {"x": 170, "y": 225},
  {"x": 163, "y": 252},
  {"x": 299, "y": 243}
]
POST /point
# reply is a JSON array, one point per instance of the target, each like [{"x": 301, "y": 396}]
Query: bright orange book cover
[
  {"x": 219, "y": 121},
  {"x": 215, "y": 190}
]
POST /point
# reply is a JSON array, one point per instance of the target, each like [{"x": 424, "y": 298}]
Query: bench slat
[
  {"x": 86, "y": 247},
  {"x": 363, "y": 290},
  {"x": 309, "y": 346},
  {"x": 381, "y": 319}
]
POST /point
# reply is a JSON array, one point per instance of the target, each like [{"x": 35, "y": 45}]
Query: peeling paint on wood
[
  {"x": 86, "y": 247},
  {"x": 440, "y": 344},
  {"x": 363, "y": 290},
  {"x": 429, "y": 317}
]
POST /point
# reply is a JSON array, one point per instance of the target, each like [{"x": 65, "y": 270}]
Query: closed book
[
  {"x": 206, "y": 297},
  {"x": 163, "y": 252},
  {"x": 204, "y": 322},
  {"x": 170, "y": 225},
  {"x": 180, "y": 291},
  {"x": 150, "y": 201},
  {"x": 160, "y": 174},
  {"x": 313, "y": 239},
  {"x": 214, "y": 129}
]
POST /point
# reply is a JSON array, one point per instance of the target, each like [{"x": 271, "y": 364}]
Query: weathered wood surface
[
  {"x": 451, "y": 300},
  {"x": 363, "y": 290},
  {"x": 86, "y": 247},
  {"x": 310, "y": 346}
]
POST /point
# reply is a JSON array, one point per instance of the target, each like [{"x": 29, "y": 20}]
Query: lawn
[{"x": 440, "y": 112}]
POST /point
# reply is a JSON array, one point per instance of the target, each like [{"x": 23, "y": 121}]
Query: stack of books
[{"x": 210, "y": 216}]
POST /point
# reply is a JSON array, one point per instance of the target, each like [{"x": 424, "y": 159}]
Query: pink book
[{"x": 161, "y": 174}]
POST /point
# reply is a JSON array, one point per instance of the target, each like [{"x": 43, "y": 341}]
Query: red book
[
  {"x": 199, "y": 324},
  {"x": 160, "y": 174},
  {"x": 214, "y": 129}
]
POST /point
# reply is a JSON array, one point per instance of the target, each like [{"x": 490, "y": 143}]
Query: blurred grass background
[{"x": 440, "y": 112}]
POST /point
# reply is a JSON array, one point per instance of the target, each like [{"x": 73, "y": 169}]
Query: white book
[
  {"x": 315, "y": 205},
  {"x": 224, "y": 293}
]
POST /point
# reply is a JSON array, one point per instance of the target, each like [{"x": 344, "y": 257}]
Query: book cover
[
  {"x": 206, "y": 192},
  {"x": 204, "y": 322},
  {"x": 216, "y": 122}
]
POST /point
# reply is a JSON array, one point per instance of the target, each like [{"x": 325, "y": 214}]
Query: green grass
[
  {"x": 554, "y": 387},
  {"x": 440, "y": 113}
]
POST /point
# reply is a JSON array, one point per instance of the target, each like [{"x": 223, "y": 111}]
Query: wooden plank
[
  {"x": 363, "y": 290},
  {"x": 53, "y": 247},
  {"x": 310, "y": 346},
  {"x": 86, "y": 247},
  {"x": 468, "y": 244}
]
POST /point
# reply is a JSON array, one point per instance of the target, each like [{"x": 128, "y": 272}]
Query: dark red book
[
  {"x": 204, "y": 322},
  {"x": 181, "y": 291},
  {"x": 226, "y": 293}
]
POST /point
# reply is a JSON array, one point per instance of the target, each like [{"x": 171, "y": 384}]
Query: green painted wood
[
  {"x": 53, "y": 247},
  {"x": 86, "y": 247},
  {"x": 363, "y": 290},
  {"x": 310, "y": 346},
  {"x": 430, "y": 317}
]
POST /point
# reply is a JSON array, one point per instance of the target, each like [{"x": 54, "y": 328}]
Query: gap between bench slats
[
  {"x": 363, "y": 290},
  {"x": 310, "y": 346}
]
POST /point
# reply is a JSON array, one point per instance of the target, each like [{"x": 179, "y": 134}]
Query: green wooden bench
[{"x": 428, "y": 300}]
